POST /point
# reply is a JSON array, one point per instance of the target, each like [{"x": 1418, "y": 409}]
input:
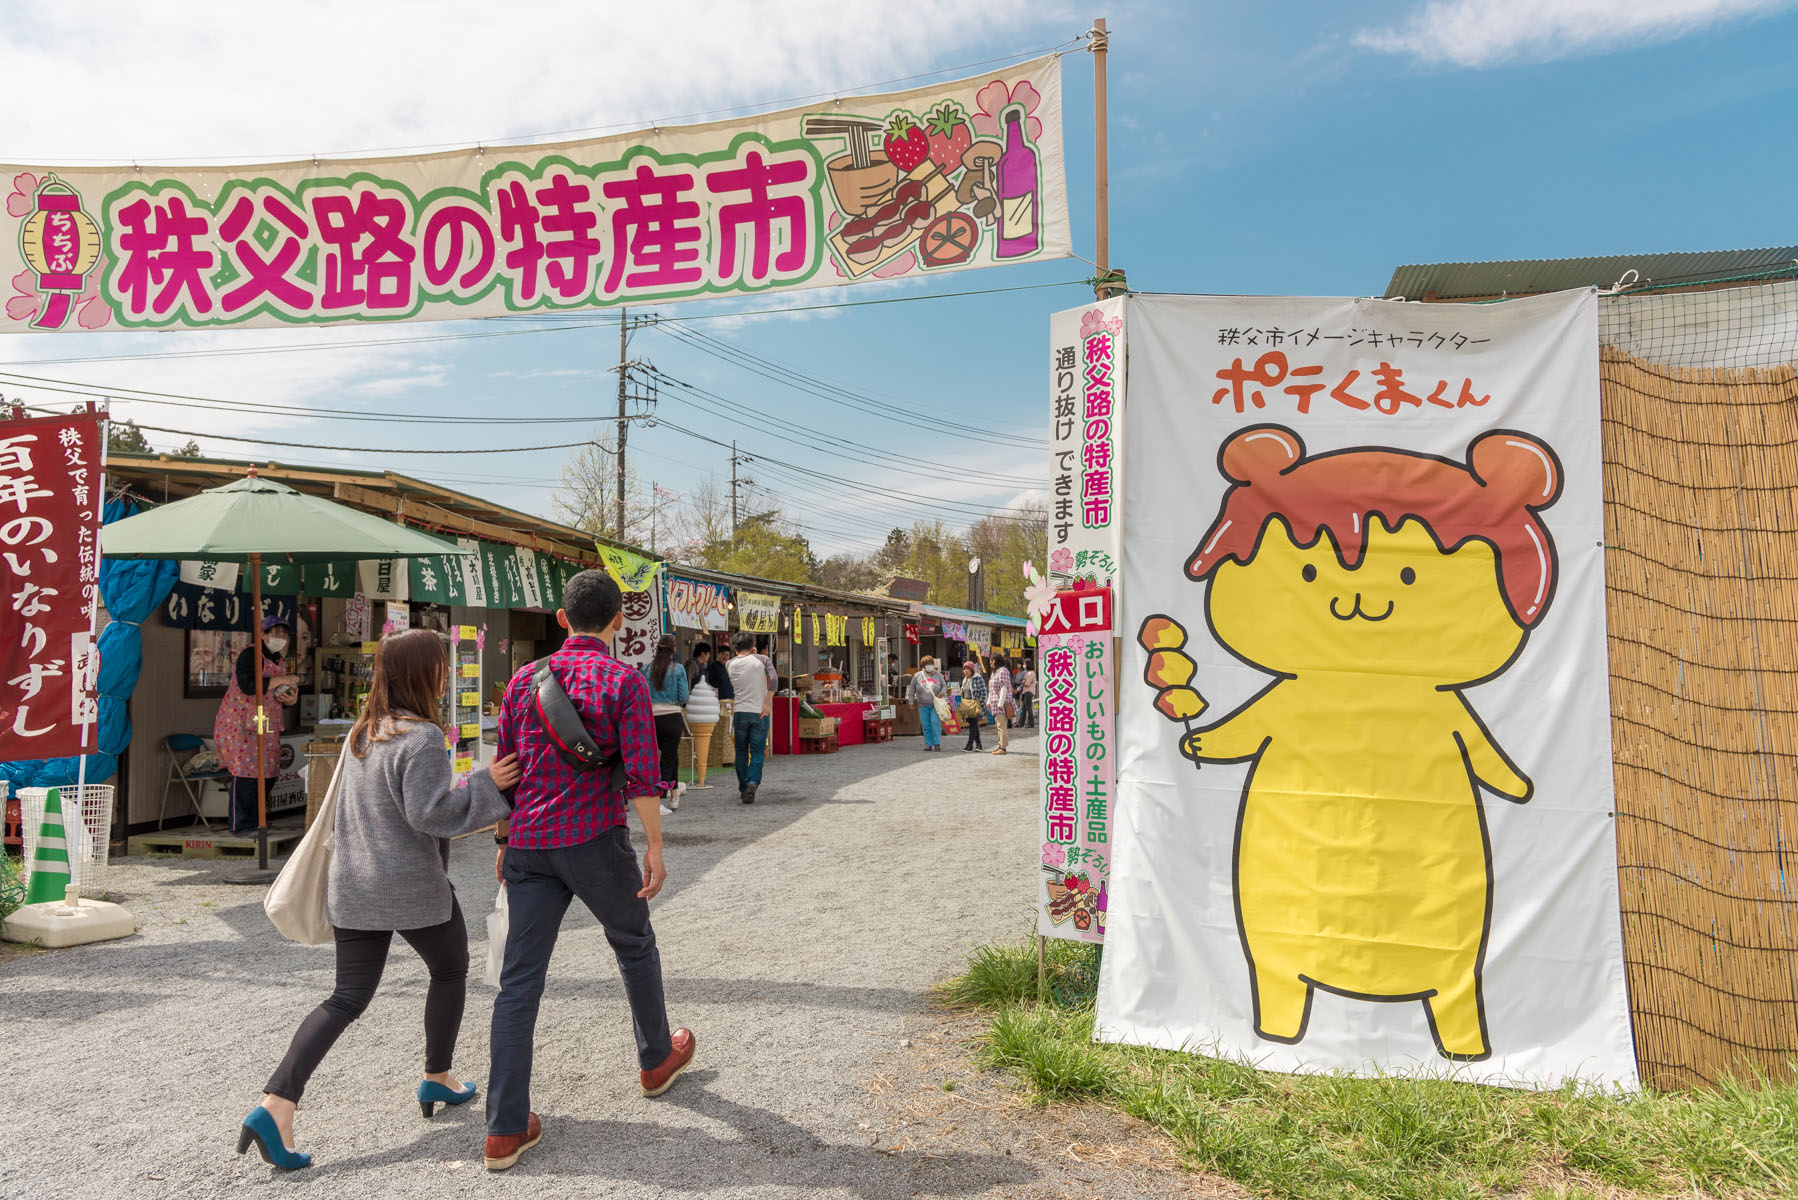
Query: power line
[
  {"x": 733, "y": 410},
  {"x": 824, "y": 391},
  {"x": 232, "y": 437}
]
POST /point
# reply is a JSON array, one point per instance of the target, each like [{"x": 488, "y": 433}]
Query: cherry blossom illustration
[
  {"x": 1061, "y": 562},
  {"x": 1096, "y": 321},
  {"x": 1039, "y": 596},
  {"x": 1053, "y": 855},
  {"x": 993, "y": 99}
]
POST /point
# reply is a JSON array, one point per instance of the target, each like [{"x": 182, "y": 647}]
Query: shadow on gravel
[{"x": 65, "y": 1004}]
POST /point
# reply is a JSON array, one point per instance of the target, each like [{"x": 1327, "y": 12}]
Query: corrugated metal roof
[
  {"x": 968, "y": 614},
  {"x": 1526, "y": 277}
]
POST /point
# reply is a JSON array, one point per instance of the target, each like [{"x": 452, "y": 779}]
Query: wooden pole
[{"x": 1101, "y": 163}]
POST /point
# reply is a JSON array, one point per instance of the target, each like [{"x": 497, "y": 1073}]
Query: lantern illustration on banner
[{"x": 60, "y": 244}]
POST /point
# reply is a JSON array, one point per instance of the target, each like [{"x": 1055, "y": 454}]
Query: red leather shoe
[
  {"x": 503, "y": 1149},
  {"x": 662, "y": 1078}
]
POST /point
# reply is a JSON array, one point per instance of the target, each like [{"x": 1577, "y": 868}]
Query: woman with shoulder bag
[
  {"x": 926, "y": 694},
  {"x": 999, "y": 700},
  {"x": 973, "y": 702},
  {"x": 397, "y": 807}
]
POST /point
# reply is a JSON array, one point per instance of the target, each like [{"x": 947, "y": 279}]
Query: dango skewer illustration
[{"x": 1170, "y": 671}]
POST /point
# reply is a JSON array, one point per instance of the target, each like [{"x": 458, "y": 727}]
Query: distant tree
[
  {"x": 191, "y": 450},
  {"x": 588, "y": 496},
  {"x": 124, "y": 437},
  {"x": 762, "y": 548},
  {"x": 848, "y": 573}
]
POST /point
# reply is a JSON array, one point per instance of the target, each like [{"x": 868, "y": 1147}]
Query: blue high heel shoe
[
  {"x": 260, "y": 1128},
  {"x": 431, "y": 1094}
]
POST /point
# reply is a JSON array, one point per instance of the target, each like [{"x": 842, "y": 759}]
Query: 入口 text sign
[
  {"x": 51, "y": 493},
  {"x": 943, "y": 178},
  {"x": 1079, "y": 720}
]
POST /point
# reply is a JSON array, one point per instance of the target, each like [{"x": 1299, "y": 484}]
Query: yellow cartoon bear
[{"x": 1374, "y": 585}]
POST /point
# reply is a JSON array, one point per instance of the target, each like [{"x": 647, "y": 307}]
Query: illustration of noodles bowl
[{"x": 861, "y": 189}]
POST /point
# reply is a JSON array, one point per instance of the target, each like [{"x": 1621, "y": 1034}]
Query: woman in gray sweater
[{"x": 397, "y": 807}]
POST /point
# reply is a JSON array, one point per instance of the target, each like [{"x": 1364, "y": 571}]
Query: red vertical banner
[{"x": 51, "y": 492}]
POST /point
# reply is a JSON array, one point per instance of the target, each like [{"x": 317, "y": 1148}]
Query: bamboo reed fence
[{"x": 1701, "y": 531}]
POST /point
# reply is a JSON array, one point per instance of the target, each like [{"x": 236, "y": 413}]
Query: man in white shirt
[{"x": 753, "y": 680}]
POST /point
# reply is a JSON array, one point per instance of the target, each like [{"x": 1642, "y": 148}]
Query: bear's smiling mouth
[{"x": 1354, "y": 612}]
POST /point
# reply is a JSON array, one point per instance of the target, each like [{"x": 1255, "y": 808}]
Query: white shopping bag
[
  {"x": 296, "y": 901},
  {"x": 497, "y": 923}
]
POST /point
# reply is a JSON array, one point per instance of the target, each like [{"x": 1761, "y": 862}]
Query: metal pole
[
  {"x": 733, "y": 492},
  {"x": 1101, "y": 168},
  {"x": 260, "y": 721},
  {"x": 623, "y": 424}
]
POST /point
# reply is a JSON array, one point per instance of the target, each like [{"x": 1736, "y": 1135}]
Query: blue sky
[{"x": 1302, "y": 148}]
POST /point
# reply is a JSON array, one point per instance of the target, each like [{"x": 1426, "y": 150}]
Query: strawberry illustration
[
  {"x": 950, "y": 135},
  {"x": 907, "y": 146}
]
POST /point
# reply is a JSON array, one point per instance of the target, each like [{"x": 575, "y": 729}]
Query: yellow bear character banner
[{"x": 1363, "y": 817}]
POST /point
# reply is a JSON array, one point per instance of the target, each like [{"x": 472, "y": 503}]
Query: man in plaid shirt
[{"x": 569, "y": 836}]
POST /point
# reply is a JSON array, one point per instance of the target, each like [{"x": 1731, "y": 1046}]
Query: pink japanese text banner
[{"x": 942, "y": 178}]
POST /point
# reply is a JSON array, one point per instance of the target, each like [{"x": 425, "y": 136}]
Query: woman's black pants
[
  {"x": 361, "y": 955},
  {"x": 973, "y": 734},
  {"x": 670, "y": 728}
]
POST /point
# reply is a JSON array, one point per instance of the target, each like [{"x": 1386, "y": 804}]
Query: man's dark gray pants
[{"x": 539, "y": 886}]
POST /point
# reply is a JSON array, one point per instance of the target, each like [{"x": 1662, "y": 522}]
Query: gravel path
[{"x": 800, "y": 938}]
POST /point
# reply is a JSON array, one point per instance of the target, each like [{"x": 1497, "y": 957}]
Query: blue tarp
[{"x": 131, "y": 589}]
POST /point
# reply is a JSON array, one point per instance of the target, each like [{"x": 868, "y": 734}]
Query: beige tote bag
[{"x": 296, "y": 901}]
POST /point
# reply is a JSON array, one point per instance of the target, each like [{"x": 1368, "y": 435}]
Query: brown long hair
[
  {"x": 409, "y": 671},
  {"x": 658, "y": 668}
]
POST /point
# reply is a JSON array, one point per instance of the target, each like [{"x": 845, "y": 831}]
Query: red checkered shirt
[{"x": 555, "y": 804}]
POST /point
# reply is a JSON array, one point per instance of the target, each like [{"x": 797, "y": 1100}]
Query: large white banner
[
  {"x": 1364, "y": 817},
  {"x": 942, "y": 178}
]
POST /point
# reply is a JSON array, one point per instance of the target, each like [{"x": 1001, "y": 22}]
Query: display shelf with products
[{"x": 464, "y": 698}]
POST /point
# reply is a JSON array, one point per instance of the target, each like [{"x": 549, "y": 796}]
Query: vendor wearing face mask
[{"x": 234, "y": 730}]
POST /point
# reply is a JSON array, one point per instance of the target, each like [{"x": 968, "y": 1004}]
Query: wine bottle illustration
[{"x": 1017, "y": 183}]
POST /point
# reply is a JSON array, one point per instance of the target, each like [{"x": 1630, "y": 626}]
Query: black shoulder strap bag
[{"x": 573, "y": 743}]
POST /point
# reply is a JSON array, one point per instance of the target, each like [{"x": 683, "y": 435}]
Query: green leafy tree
[
  {"x": 124, "y": 437},
  {"x": 762, "y": 548}
]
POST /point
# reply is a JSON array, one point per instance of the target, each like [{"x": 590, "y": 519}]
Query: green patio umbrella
[{"x": 251, "y": 517}]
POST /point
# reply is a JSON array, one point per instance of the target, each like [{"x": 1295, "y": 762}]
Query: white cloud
[
  {"x": 1480, "y": 33},
  {"x": 228, "y": 79}
]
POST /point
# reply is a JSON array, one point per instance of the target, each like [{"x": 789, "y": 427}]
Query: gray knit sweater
[{"x": 397, "y": 808}]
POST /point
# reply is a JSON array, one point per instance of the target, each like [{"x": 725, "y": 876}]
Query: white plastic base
[{"x": 56, "y": 923}]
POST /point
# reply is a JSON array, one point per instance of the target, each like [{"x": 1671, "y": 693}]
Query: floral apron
[{"x": 234, "y": 734}]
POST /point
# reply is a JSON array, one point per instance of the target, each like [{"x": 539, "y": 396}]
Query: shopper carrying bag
[
  {"x": 295, "y": 903},
  {"x": 397, "y": 804}
]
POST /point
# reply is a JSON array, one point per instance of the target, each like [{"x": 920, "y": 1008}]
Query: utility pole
[
  {"x": 654, "y": 511},
  {"x": 623, "y": 422},
  {"x": 736, "y": 485}
]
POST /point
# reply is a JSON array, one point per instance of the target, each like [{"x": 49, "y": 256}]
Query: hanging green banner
[
  {"x": 334, "y": 579},
  {"x": 438, "y": 580},
  {"x": 633, "y": 572}
]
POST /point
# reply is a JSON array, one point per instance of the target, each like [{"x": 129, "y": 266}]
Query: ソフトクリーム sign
[{"x": 942, "y": 178}]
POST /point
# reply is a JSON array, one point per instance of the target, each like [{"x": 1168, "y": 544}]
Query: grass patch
[
  {"x": 1408, "y": 1139},
  {"x": 12, "y": 884}
]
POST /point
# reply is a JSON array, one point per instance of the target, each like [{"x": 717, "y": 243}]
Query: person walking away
[
  {"x": 973, "y": 702},
  {"x": 397, "y": 808},
  {"x": 234, "y": 729},
  {"x": 1027, "y": 697},
  {"x": 753, "y": 680},
  {"x": 926, "y": 688},
  {"x": 702, "y": 709},
  {"x": 569, "y": 837},
  {"x": 668, "y": 692},
  {"x": 999, "y": 702}
]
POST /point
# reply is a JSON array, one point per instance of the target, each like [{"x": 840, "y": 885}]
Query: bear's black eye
[
  {"x": 1310, "y": 573},
  {"x": 1407, "y": 576}
]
